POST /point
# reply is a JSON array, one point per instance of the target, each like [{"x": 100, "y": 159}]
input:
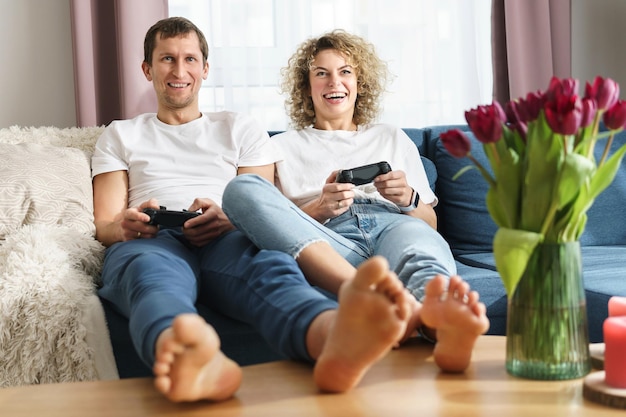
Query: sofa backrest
[
  {"x": 605, "y": 224},
  {"x": 463, "y": 219}
]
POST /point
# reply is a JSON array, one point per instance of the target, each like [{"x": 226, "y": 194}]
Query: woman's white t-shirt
[
  {"x": 177, "y": 163},
  {"x": 310, "y": 155}
]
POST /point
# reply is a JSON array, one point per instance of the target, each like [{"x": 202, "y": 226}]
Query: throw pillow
[
  {"x": 463, "y": 217},
  {"x": 45, "y": 184}
]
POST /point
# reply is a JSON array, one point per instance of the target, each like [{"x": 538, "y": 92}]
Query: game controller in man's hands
[
  {"x": 169, "y": 218},
  {"x": 363, "y": 174}
]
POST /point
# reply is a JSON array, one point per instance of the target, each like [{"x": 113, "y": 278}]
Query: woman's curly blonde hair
[{"x": 371, "y": 72}]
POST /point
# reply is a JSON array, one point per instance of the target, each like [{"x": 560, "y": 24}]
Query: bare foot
[
  {"x": 458, "y": 318},
  {"x": 371, "y": 318},
  {"x": 189, "y": 365}
]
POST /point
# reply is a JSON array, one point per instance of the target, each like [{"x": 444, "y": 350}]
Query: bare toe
[
  {"x": 436, "y": 287},
  {"x": 370, "y": 320},
  {"x": 458, "y": 319},
  {"x": 189, "y": 365},
  {"x": 458, "y": 288}
]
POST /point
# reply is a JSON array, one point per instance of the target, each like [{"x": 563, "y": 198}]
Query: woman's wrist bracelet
[{"x": 415, "y": 198}]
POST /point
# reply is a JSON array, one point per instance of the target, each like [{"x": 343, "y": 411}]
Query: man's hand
[
  {"x": 134, "y": 222},
  {"x": 210, "y": 224}
]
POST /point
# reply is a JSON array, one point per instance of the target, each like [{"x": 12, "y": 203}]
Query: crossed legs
[{"x": 369, "y": 321}]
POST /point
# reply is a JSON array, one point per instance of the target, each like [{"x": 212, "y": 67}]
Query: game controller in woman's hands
[{"x": 363, "y": 174}]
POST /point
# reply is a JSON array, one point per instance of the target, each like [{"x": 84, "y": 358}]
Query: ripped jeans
[{"x": 415, "y": 251}]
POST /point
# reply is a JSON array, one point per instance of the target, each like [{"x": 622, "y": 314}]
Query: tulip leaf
[
  {"x": 576, "y": 170},
  {"x": 495, "y": 208},
  {"x": 544, "y": 157},
  {"x": 606, "y": 172},
  {"x": 512, "y": 248},
  {"x": 508, "y": 188}
]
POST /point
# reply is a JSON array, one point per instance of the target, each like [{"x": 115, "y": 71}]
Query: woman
[{"x": 334, "y": 84}]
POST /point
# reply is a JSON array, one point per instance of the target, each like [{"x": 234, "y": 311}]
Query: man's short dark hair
[{"x": 169, "y": 28}]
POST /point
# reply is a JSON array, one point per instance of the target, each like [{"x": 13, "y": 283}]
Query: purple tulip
[
  {"x": 516, "y": 117},
  {"x": 532, "y": 105},
  {"x": 604, "y": 90},
  {"x": 562, "y": 107},
  {"x": 561, "y": 87},
  {"x": 486, "y": 122},
  {"x": 456, "y": 143},
  {"x": 615, "y": 117},
  {"x": 589, "y": 111},
  {"x": 564, "y": 113}
]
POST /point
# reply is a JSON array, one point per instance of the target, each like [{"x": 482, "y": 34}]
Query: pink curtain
[
  {"x": 107, "y": 41},
  {"x": 531, "y": 43}
]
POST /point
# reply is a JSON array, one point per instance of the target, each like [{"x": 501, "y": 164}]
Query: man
[{"x": 182, "y": 159}]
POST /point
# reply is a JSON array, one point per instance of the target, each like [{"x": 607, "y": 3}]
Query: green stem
[
  {"x": 553, "y": 206},
  {"x": 549, "y": 218},
  {"x": 496, "y": 155},
  {"x": 594, "y": 135},
  {"x": 606, "y": 149},
  {"x": 483, "y": 171}
]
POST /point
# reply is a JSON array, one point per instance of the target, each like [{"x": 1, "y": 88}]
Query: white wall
[
  {"x": 38, "y": 77},
  {"x": 36, "y": 71},
  {"x": 599, "y": 41}
]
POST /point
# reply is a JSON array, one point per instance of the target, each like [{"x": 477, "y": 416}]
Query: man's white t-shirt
[
  {"x": 177, "y": 163},
  {"x": 310, "y": 155}
]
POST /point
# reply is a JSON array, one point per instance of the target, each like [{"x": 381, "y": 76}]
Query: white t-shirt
[
  {"x": 310, "y": 155},
  {"x": 177, "y": 163}
]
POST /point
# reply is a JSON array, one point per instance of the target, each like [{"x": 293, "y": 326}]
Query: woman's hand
[
  {"x": 394, "y": 187},
  {"x": 210, "y": 224},
  {"x": 334, "y": 200}
]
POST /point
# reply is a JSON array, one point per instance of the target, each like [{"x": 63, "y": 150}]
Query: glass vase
[{"x": 547, "y": 333}]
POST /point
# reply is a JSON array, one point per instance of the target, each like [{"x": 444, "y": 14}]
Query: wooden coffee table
[{"x": 406, "y": 382}]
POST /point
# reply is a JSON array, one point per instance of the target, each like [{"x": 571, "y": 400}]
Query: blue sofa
[{"x": 465, "y": 223}]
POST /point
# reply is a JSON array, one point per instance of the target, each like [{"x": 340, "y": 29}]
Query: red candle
[
  {"x": 617, "y": 306},
  {"x": 615, "y": 351}
]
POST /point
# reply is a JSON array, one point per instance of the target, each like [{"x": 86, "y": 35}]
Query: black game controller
[
  {"x": 364, "y": 174},
  {"x": 169, "y": 218}
]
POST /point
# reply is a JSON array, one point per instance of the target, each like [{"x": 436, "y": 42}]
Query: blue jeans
[
  {"x": 415, "y": 251},
  {"x": 151, "y": 281}
]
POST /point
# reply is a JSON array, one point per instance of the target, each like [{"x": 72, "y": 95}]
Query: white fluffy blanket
[
  {"x": 83, "y": 138},
  {"x": 46, "y": 277}
]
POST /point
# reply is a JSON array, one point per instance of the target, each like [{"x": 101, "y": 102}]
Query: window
[{"x": 439, "y": 52}]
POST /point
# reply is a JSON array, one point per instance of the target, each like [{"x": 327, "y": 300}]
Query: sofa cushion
[
  {"x": 463, "y": 219},
  {"x": 605, "y": 225},
  {"x": 44, "y": 184}
]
